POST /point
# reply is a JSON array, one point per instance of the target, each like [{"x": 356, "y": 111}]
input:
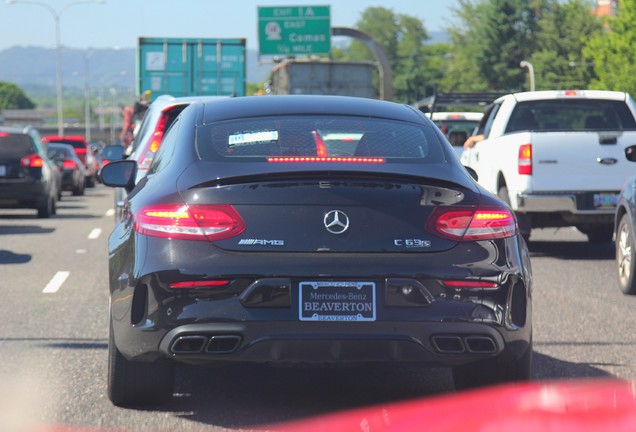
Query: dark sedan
[
  {"x": 311, "y": 229},
  {"x": 28, "y": 178},
  {"x": 70, "y": 166}
]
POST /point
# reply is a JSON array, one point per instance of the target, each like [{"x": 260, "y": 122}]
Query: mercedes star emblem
[{"x": 336, "y": 222}]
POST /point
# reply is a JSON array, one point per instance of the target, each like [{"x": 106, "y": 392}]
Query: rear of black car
[
  {"x": 26, "y": 175},
  {"x": 318, "y": 237}
]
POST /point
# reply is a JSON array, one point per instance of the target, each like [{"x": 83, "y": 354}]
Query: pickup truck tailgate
[{"x": 580, "y": 161}]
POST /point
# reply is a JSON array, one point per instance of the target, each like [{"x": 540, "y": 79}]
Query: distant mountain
[
  {"x": 438, "y": 36},
  {"x": 35, "y": 66},
  {"x": 28, "y": 66}
]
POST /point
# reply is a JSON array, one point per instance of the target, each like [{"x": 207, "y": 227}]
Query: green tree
[
  {"x": 612, "y": 51},
  {"x": 565, "y": 28},
  {"x": 462, "y": 73},
  {"x": 414, "y": 64},
  {"x": 382, "y": 25},
  {"x": 489, "y": 39},
  {"x": 12, "y": 97}
]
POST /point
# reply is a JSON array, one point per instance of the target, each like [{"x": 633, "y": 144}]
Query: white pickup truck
[{"x": 558, "y": 157}]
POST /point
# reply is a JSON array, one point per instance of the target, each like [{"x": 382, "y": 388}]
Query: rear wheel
[
  {"x": 47, "y": 209},
  {"x": 494, "y": 371},
  {"x": 625, "y": 259},
  {"x": 78, "y": 189},
  {"x": 135, "y": 383},
  {"x": 522, "y": 220}
]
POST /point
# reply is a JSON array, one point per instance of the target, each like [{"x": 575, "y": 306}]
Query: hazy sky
[{"x": 118, "y": 23}]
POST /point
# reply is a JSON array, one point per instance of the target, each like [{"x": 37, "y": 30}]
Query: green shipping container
[{"x": 191, "y": 67}]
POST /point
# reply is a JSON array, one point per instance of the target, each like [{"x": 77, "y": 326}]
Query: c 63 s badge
[
  {"x": 261, "y": 242},
  {"x": 412, "y": 243}
]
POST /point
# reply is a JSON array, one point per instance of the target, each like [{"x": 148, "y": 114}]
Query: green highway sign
[{"x": 293, "y": 30}]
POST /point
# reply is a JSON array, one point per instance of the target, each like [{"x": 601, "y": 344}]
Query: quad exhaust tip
[
  {"x": 459, "y": 344},
  {"x": 213, "y": 344}
]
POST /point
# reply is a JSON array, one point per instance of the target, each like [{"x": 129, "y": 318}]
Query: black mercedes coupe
[{"x": 311, "y": 229}]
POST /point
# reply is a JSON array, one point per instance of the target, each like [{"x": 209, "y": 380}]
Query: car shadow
[
  {"x": 76, "y": 216},
  {"x": 566, "y": 250},
  {"x": 24, "y": 229},
  {"x": 8, "y": 257},
  {"x": 244, "y": 396}
]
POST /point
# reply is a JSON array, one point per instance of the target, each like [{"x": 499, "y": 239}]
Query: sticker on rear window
[{"x": 252, "y": 137}]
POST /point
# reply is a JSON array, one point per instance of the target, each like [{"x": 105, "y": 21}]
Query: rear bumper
[
  {"x": 69, "y": 181},
  {"x": 579, "y": 203},
  {"x": 436, "y": 344},
  {"x": 260, "y": 315},
  {"x": 29, "y": 194}
]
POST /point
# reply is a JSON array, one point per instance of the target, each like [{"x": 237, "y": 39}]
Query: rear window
[
  {"x": 58, "y": 152},
  {"x": 566, "y": 115},
  {"x": 457, "y": 131},
  {"x": 15, "y": 146},
  {"x": 75, "y": 143},
  {"x": 318, "y": 136}
]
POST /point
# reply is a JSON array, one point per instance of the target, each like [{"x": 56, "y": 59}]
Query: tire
[
  {"x": 494, "y": 371},
  {"x": 625, "y": 256},
  {"x": 522, "y": 220},
  {"x": 78, "y": 189},
  {"x": 47, "y": 209},
  {"x": 600, "y": 234},
  {"x": 90, "y": 181},
  {"x": 137, "y": 383}
]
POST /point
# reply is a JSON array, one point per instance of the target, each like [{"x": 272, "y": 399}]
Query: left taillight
[
  {"x": 32, "y": 161},
  {"x": 524, "y": 165},
  {"x": 189, "y": 222},
  {"x": 155, "y": 142},
  {"x": 468, "y": 224},
  {"x": 69, "y": 164}
]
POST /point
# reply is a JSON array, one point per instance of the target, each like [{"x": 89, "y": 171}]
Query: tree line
[{"x": 568, "y": 46}]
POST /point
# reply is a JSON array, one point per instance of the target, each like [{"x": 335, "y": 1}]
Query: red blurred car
[
  {"x": 559, "y": 406},
  {"x": 84, "y": 152}
]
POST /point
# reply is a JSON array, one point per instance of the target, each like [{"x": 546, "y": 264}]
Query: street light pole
[
  {"x": 530, "y": 72},
  {"x": 113, "y": 113},
  {"x": 87, "y": 97},
  {"x": 58, "y": 50}
]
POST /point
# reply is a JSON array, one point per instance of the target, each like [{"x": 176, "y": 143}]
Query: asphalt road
[{"x": 53, "y": 337}]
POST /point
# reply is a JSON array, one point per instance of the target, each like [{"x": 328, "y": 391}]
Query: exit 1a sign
[{"x": 293, "y": 30}]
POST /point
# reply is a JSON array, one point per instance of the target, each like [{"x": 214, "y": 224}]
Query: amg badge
[{"x": 261, "y": 242}]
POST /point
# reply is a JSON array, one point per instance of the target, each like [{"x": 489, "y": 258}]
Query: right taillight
[
  {"x": 189, "y": 222},
  {"x": 467, "y": 224},
  {"x": 155, "y": 142},
  {"x": 525, "y": 159},
  {"x": 69, "y": 164},
  {"x": 32, "y": 161}
]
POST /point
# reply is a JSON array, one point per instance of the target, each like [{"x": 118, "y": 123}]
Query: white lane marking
[
  {"x": 56, "y": 282},
  {"x": 110, "y": 212},
  {"x": 95, "y": 234},
  {"x": 80, "y": 251}
]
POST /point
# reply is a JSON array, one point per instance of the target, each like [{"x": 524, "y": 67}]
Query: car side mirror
[
  {"x": 120, "y": 173},
  {"x": 113, "y": 152},
  {"x": 630, "y": 153},
  {"x": 472, "y": 173}
]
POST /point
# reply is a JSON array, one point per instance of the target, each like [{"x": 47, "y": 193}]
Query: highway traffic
[{"x": 53, "y": 346}]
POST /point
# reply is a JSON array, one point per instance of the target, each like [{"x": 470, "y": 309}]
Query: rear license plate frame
[
  {"x": 337, "y": 301},
  {"x": 607, "y": 200}
]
